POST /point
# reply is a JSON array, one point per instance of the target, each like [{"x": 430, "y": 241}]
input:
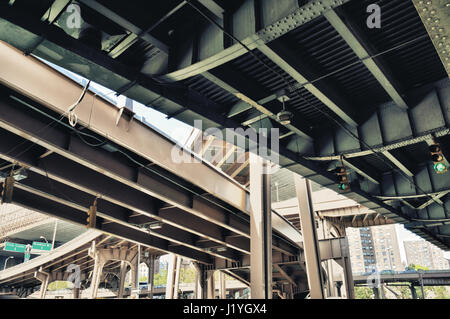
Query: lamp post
[
  {"x": 10, "y": 257},
  {"x": 46, "y": 241}
]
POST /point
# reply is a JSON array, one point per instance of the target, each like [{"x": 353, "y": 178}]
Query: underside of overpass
[{"x": 372, "y": 99}]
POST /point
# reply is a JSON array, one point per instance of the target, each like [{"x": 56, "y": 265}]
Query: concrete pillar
[
  {"x": 222, "y": 287},
  {"x": 44, "y": 278},
  {"x": 176, "y": 284},
  {"x": 382, "y": 293},
  {"x": 211, "y": 289},
  {"x": 137, "y": 273},
  {"x": 421, "y": 285},
  {"x": 76, "y": 293},
  {"x": 348, "y": 278},
  {"x": 151, "y": 275},
  {"x": 413, "y": 291},
  {"x": 122, "y": 275},
  {"x": 200, "y": 282},
  {"x": 171, "y": 285},
  {"x": 376, "y": 292},
  {"x": 310, "y": 239},
  {"x": 96, "y": 276},
  {"x": 260, "y": 229}
]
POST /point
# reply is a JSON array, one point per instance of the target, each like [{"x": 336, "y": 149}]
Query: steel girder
[
  {"x": 254, "y": 23},
  {"x": 185, "y": 103},
  {"x": 119, "y": 201},
  {"x": 391, "y": 127}
]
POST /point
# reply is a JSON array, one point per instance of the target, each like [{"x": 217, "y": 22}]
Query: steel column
[
  {"x": 211, "y": 290},
  {"x": 310, "y": 240},
  {"x": 44, "y": 278},
  {"x": 177, "y": 278},
  {"x": 413, "y": 291},
  {"x": 123, "y": 273},
  {"x": 260, "y": 229},
  {"x": 222, "y": 287},
  {"x": 171, "y": 277}
]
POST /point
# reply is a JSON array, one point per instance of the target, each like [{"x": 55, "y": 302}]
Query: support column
[
  {"x": 44, "y": 278},
  {"x": 421, "y": 285},
  {"x": 210, "y": 284},
  {"x": 96, "y": 276},
  {"x": 310, "y": 240},
  {"x": 331, "y": 287},
  {"x": 222, "y": 287},
  {"x": 260, "y": 229},
  {"x": 177, "y": 278},
  {"x": 413, "y": 291},
  {"x": 348, "y": 275},
  {"x": 171, "y": 276},
  {"x": 200, "y": 281},
  {"x": 151, "y": 275},
  {"x": 76, "y": 293},
  {"x": 122, "y": 275},
  {"x": 100, "y": 260},
  {"x": 382, "y": 293},
  {"x": 376, "y": 292},
  {"x": 137, "y": 273}
]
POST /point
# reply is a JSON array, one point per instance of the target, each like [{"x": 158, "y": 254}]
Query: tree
[
  {"x": 364, "y": 293},
  {"x": 416, "y": 267}
]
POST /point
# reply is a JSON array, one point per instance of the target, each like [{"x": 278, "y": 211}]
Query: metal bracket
[{"x": 128, "y": 115}]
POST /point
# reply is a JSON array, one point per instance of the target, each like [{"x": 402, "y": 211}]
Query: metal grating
[
  {"x": 303, "y": 103},
  {"x": 415, "y": 64},
  {"x": 211, "y": 91},
  {"x": 320, "y": 46}
]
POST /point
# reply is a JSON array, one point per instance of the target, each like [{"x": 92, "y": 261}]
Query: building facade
[
  {"x": 374, "y": 248},
  {"x": 423, "y": 253}
]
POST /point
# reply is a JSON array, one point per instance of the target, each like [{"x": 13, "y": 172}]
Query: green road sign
[
  {"x": 20, "y": 248},
  {"x": 42, "y": 246}
]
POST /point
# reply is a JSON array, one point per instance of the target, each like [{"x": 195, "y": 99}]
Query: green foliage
[
  {"x": 364, "y": 293},
  {"x": 187, "y": 275},
  {"x": 160, "y": 278},
  {"x": 58, "y": 285},
  {"x": 416, "y": 267}
]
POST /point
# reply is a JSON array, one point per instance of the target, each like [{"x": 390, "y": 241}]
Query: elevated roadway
[
  {"x": 189, "y": 209},
  {"x": 373, "y": 98}
]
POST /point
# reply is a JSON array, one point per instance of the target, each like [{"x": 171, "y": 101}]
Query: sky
[{"x": 179, "y": 132}]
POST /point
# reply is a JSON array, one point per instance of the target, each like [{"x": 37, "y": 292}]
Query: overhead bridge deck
[
  {"x": 373, "y": 96},
  {"x": 204, "y": 214}
]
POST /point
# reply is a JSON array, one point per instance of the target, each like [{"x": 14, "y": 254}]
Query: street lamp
[
  {"x": 44, "y": 239},
  {"x": 10, "y": 257}
]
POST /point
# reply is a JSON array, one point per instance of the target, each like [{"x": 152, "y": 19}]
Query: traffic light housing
[
  {"x": 7, "y": 189},
  {"x": 438, "y": 159},
  {"x": 344, "y": 183},
  {"x": 92, "y": 215}
]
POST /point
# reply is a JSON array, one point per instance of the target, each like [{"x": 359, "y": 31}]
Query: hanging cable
[{"x": 73, "y": 119}]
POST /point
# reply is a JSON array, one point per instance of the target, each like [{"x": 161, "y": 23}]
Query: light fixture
[
  {"x": 344, "y": 183},
  {"x": 284, "y": 116},
  {"x": 438, "y": 159},
  {"x": 20, "y": 174},
  {"x": 221, "y": 249},
  {"x": 155, "y": 225}
]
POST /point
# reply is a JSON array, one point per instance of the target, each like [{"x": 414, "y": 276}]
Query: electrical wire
[
  {"x": 100, "y": 143},
  {"x": 295, "y": 89}
]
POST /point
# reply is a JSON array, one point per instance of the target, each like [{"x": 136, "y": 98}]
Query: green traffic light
[
  {"x": 342, "y": 186},
  {"x": 440, "y": 167}
]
